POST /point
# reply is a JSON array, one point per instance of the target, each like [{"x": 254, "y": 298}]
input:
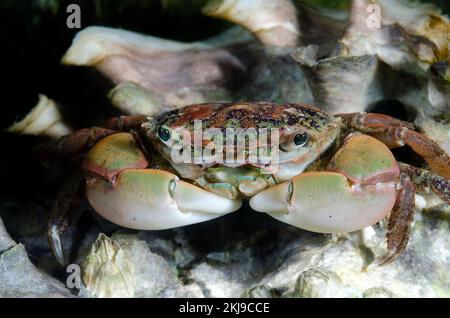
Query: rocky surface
[
  {"x": 6, "y": 241},
  {"x": 19, "y": 277},
  {"x": 246, "y": 254},
  {"x": 287, "y": 262}
]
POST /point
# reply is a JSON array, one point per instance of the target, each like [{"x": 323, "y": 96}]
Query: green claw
[
  {"x": 365, "y": 160},
  {"x": 113, "y": 155}
]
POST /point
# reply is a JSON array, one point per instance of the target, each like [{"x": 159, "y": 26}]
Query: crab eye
[
  {"x": 292, "y": 142},
  {"x": 301, "y": 139},
  {"x": 163, "y": 133}
]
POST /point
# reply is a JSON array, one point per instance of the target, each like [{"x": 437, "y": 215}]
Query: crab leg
[
  {"x": 425, "y": 179},
  {"x": 123, "y": 192},
  {"x": 360, "y": 191},
  {"x": 396, "y": 133},
  {"x": 400, "y": 220},
  {"x": 123, "y": 123},
  {"x": 63, "y": 212},
  {"x": 83, "y": 139},
  {"x": 72, "y": 143}
]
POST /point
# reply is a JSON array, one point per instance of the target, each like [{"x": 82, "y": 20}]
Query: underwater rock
[
  {"x": 172, "y": 73},
  {"x": 256, "y": 292},
  {"x": 220, "y": 281},
  {"x": 344, "y": 273},
  {"x": 19, "y": 277},
  {"x": 273, "y": 22},
  {"x": 332, "y": 80},
  {"x": 402, "y": 58},
  {"x": 5, "y": 240},
  {"x": 437, "y": 131},
  {"x": 439, "y": 88},
  {"x": 290, "y": 262},
  {"x": 411, "y": 38},
  {"x": 152, "y": 273},
  {"x": 403, "y": 34},
  {"x": 408, "y": 47},
  {"x": 399, "y": 31},
  {"x": 154, "y": 74},
  {"x": 133, "y": 99}
]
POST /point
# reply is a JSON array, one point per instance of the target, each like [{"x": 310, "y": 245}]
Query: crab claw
[
  {"x": 325, "y": 202},
  {"x": 358, "y": 193},
  {"x": 123, "y": 192},
  {"x": 148, "y": 199}
]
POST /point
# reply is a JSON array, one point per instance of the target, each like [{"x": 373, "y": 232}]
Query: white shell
[{"x": 107, "y": 270}]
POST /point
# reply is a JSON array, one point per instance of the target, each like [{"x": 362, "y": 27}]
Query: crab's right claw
[
  {"x": 123, "y": 192},
  {"x": 148, "y": 199},
  {"x": 325, "y": 202}
]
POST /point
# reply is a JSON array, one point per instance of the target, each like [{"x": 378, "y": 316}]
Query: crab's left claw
[
  {"x": 396, "y": 133},
  {"x": 364, "y": 186},
  {"x": 325, "y": 202}
]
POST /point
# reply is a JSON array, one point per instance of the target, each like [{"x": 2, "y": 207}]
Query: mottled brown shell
[
  {"x": 278, "y": 125},
  {"x": 246, "y": 115}
]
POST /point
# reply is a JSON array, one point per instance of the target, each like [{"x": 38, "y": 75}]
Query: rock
[
  {"x": 329, "y": 78},
  {"x": 257, "y": 292},
  {"x": 20, "y": 278},
  {"x": 340, "y": 269},
  {"x": 27, "y": 223},
  {"x": 437, "y": 131},
  {"x": 261, "y": 258},
  {"x": 6, "y": 241},
  {"x": 216, "y": 282},
  {"x": 282, "y": 261}
]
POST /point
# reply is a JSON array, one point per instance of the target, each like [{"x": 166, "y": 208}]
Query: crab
[{"x": 332, "y": 173}]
